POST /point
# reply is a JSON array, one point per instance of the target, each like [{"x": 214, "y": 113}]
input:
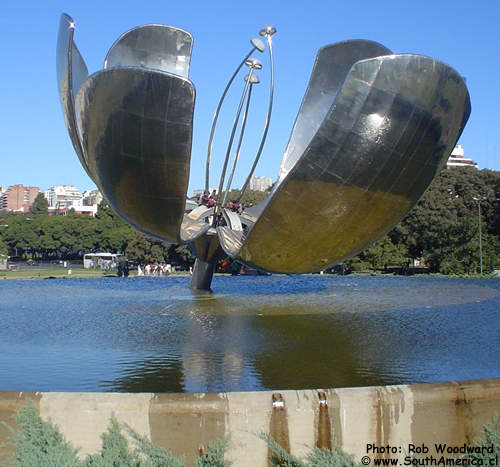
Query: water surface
[{"x": 275, "y": 332}]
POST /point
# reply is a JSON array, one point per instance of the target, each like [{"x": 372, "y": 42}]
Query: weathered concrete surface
[{"x": 451, "y": 413}]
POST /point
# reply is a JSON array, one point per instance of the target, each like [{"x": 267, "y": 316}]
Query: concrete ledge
[{"x": 452, "y": 413}]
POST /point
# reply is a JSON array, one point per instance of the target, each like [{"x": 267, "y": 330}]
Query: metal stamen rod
[
  {"x": 231, "y": 139},
  {"x": 266, "y": 31},
  {"x": 257, "y": 45},
  {"x": 253, "y": 80}
]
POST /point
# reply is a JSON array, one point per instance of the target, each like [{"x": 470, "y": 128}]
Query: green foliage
[
  {"x": 40, "y": 205},
  {"x": 39, "y": 443},
  {"x": 385, "y": 253},
  {"x": 151, "y": 454},
  {"x": 115, "y": 450},
  {"x": 146, "y": 250},
  {"x": 250, "y": 197},
  {"x": 490, "y": 436},
  {"x": 279, "y": 455},
  {"x": 443, "y": 227},
  {"x": 3, "y": 248},
  {"x": 326, "y": 458},
  {"x": 214, "y": 456},
  {"x": 442, "y": 230},
  {"x": 316, "y": 458}
]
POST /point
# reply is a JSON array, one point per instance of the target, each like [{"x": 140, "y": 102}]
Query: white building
[
  {"x": 91, "y": 197},
  {"x": 457, "y": 158},
  {"x": 260, "y": 183},
  {"x": 64, "y": 197}
]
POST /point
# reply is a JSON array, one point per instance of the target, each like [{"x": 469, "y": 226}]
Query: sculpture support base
[{"x": 202, "y": 275}]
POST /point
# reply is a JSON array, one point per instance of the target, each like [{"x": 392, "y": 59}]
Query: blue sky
[{"x": 35, "y": 147}]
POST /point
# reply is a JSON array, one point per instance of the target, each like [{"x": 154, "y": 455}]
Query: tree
[
  {"x": 443, "y": 227},
  {"x": 147, "y": 250},
  {"x": 40, "y": 205},
  {"x": 3, "y": 248},
  {"x": 385, "y": 253},
  {"x": 250, "y": 197}
]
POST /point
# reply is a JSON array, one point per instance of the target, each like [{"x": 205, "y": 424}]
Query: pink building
[{"x": 18, "y": 198}]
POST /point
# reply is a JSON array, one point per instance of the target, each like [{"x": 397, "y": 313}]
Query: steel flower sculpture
[{"x": 373, "y": 130}]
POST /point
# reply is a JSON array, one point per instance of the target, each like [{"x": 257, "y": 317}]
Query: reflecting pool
[{"x": 267, "y": 332}]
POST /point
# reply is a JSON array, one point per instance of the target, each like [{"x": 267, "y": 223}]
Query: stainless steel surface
[
  {"x": 248, "y": 78},
  {"x": 153, "y": 46},
  {"x": 131, "y": 124},
  {"x": 203, "y": 272},
  {"x": 267, "y": 31},
  {"x": 71, "y": 73},
  {"x": 137, "y": 127},
  {"x": 373, "y": 130},
  {"x": 387, "y": 133},
  {"x": 254, "y": 79},
  {"x": 252, "y": 65},
  {"x": 257, "y": 44},
  {"x": 331, "y": 66}
]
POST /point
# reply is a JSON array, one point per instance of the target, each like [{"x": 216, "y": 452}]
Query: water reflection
[{"x": 279, "y": 332}]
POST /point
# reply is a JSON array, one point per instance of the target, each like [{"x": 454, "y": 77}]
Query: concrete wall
[{"x": 452, "y": 413}]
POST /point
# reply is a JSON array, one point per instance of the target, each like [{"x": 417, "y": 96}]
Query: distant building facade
[
  {"x": 260, "y": 183},
  {"x": 18, "y": 198},
  {"x": 65, "y": 198},
  {"x": 457, "y": 159},
  {"x": 91, "y": 197}
]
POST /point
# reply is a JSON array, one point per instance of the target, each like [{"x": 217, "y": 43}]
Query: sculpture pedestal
[{"x": 202, "y": 275}]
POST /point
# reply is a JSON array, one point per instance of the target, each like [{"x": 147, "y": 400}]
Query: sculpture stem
[
  {"x": 230, "y": 144},
  {"x": 238, "y": 147},
  {"x": 268, "y": 119},
  {"x": 203, "y": 273},
  {"x": 216, "y": 116}
]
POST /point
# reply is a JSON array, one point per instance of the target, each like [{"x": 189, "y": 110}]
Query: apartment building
[
  {"x": 18, "y": 198},
  {"x": 260, "y": 183}
]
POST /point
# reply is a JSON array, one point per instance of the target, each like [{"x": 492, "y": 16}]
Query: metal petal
[
  {"x": 71, "y": 73},
  {"x": 389, "y": 132},
  {"x": 153, "y": 46},
  {"x": 331, "y": 67},
  {"x": 136, "y": 127}
]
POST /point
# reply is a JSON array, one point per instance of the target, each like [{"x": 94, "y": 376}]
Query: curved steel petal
[
  {"x": 153, "y": 46},
  {"x": 331, "y": 67},
  {"x": 394, "y": 122},
  {"x": 71, "y": 74},
  {"x": 136, "y": 127}
]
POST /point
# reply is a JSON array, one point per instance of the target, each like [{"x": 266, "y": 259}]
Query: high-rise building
[
  {"x": 18, "y": 198},
  {"x": 457, "y": 158},
  {"x": 63, "y": 197},
  {"x": 260, "y": 183}
]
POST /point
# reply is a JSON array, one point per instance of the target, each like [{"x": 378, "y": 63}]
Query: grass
[
  {"x": 59, "y": 273},
  {"x": 54, "y": 272}
]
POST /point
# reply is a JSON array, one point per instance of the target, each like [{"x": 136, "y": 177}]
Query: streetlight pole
[{"x": 478, "y": 200}]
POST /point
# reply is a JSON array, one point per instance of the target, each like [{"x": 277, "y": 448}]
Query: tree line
[{"x": 441, "y": 231}]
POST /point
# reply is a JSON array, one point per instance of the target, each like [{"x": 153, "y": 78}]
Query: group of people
[
  {"x": 154, "y": 269},
  {"x": 123, "y": 269},
  {"x": 208, "y": 199}
]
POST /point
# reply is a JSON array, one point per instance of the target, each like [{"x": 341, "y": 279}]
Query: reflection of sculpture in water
[{"x": 373, "y": 130}]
